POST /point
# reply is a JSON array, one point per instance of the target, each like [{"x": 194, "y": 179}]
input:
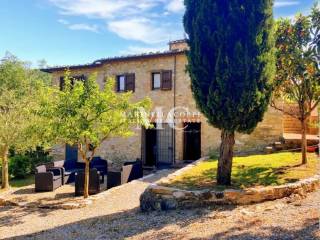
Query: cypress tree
[{"x": 231, "y": 65}]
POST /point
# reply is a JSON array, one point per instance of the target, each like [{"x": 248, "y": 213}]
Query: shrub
[
  {"x": 19, "y": 166},
  {"x": 38, "y": 157},
  {"x": 22, "y": 165}
]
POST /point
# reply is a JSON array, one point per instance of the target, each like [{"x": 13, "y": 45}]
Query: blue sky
[{"x": 81, "y": 31}]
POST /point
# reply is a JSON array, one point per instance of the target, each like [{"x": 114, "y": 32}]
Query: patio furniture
[
  {"x": 96, "y": 181},
  {"x": 100, "y": 164},
  {"x": 70, "y": 167},
  {"x": 47, "y": 179},
  {"x": 137, "y": 171},
  {"x": 130, "y": 171}
]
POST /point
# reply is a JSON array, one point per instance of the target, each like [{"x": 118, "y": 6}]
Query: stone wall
[
  {"x": 180, "y": 96},
  {"x": 157, "y": 197}
]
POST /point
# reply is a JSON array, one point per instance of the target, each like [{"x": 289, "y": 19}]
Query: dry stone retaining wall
[{"x": 157, "y": 197}]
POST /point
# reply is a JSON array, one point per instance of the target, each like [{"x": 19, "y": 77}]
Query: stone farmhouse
[{"x": 162, "y": 76}]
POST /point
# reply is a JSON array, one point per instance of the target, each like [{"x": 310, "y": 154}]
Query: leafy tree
[
  {"x": 86, "y": 116},
  {"x": 21, "y": 89},
  {"x": 231, "y": 65},
  {"x": 298, "y": 74}
]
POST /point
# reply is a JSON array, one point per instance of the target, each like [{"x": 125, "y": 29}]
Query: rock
[
  {"x": 2, "y": 202},
  {"x": 232, "y": 195},
  {"x": 168, "y": 204},
  {"x": 179, "y": 194},
  {"x": 162, "y": 190},
  {"x": 268, "y": 150},
  {"x": 278, "y": 146},
  {"x": 22, "y": 204},
  {"x": 219, "y": 195},
  {"x": 297, "y": 204},
  {"x": 149, "y": 202},
  {"x": 246, "y": 212},
  {"x": 207, "y": 195},
  {"x": 69, "y": 206}
]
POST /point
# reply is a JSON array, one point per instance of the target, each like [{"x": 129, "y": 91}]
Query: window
[
  {"x": 61, "y": 83},
  {"x": 73, "y": 80},
  {"x": 126, "y": 82},
  {"x": 121, "y": 83},
  {"x": 156, "y": 81},
  {"x": 162, "y": 80}
]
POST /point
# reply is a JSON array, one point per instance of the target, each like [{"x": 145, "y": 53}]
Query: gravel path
[{"x": 116, "y": 216}]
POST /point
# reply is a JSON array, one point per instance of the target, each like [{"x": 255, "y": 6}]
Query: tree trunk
[
  {"x": 225, "y": 159},
  {"x": 86, "y": 179},
  {"x": 86, "y": 170},
  {"x": 5, "y": 168},
  {"x": 304, "y": 141}
]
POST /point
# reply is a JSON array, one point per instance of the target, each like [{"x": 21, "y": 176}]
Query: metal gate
[
  {"x": 165, "y": 146},
  {"x": 163, "y": 149}
]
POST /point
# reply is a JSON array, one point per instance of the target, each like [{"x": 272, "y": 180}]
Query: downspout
[{"x": 174, "y": 105}]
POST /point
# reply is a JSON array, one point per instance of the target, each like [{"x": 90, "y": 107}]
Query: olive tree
[{"x": 21, "y": 91}]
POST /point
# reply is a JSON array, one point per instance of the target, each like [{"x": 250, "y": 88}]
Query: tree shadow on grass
[
  {"x": 255, "y": 176},
  {"x": 242, "y": 177}
]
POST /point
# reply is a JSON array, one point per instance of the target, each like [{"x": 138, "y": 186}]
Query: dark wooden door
[
  {"x": 192, "y": 141},
  {"x": 150, "y": 142}
]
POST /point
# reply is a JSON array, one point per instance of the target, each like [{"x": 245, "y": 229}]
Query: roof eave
[{"x": 100, "y": 62}]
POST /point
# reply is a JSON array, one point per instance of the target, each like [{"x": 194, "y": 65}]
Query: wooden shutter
[
  {"x": 166, "y": 80},
  {"x": 61, "y": 83},
  {"x": 130, "y": 82}
]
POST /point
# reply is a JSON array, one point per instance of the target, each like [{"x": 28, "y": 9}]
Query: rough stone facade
[{"x": 180, "y": 96}]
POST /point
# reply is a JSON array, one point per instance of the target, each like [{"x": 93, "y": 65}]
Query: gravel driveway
[{"x": 116, "y": 216}]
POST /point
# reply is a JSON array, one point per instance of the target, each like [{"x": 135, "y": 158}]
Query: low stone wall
[{"x": 157, "y": 197}]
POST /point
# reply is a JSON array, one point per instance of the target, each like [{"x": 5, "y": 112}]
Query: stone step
[
  {"x": 268, "y": 150},
  {"x": 278, "y": 146}
]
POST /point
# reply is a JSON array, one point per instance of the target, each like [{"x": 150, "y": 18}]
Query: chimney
[{"x": 178, "y": 45}]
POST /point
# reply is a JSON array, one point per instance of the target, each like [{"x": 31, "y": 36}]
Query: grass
[
  {"x": 16, "y": 183},
  {"x": 255, "y": 170}
]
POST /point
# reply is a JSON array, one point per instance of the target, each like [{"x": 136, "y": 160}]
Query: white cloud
[
  {"x": 285, "y": 3},
  {"x": 104, "y": 8},
  {"x": 175, "y": 6},
  {"x": 130, "y": 19},
  {"x": 83, "y": 26},
  {"x": 63, "y": 21},
  {"x": 79, "y": 26},
  {"x": 139, "y": 29}
]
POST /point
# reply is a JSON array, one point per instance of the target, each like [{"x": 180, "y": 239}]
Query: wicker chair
[
  {"x": 96, "y": 180},
  {"x": 47, "y": 179},
  {"x": 130, "y": 171},
  {"x": 70, "y": 168}
]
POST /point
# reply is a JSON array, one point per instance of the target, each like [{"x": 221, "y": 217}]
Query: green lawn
[
  {"x": 254, "y": 170},
  {"x": 16, "y": 183}
]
